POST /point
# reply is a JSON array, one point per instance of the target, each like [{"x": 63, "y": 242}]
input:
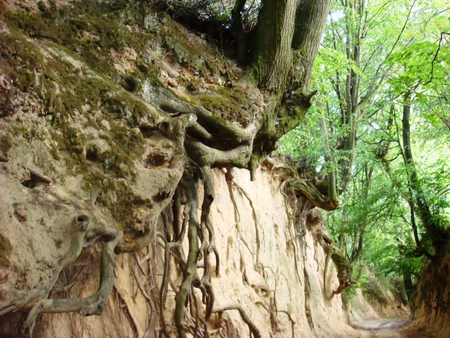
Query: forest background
[{"x": 381, "y": 125}]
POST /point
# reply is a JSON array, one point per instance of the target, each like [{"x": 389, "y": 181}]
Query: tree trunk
[
  {"x": 430, "y": 221},
  {"x": 310, "y": 13},
  {"x": 297, "y": 25},
  {"x": 273, "y": 56},
  {"x": 281, "y": 70}
]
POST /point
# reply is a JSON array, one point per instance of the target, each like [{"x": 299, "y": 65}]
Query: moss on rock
[{"x": 5, "y": 250}]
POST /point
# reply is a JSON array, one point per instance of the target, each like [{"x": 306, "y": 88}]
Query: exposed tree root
[
  {"x": 92, "y": 305},
  {"x": 343, "y": 266},
  {"x": 39, "y": 176},
  {"x": 255, "y": 218},
  {"x": 237, "y": 217},
  {"x": 291, "y": 320},
  {"x": 153, "y": 316},
  {"x": 72, "y": 284},
  {"x": 16, "y": 299},
  {"x": 236, "y": 306},
  {"x": 166, "y": 273},
  {"x": 325, "y": 271},
  {"x": 191, "y": 188},
  {"x": 131, "y": 319},
  {"x": 344, "y": 269},
  {"x": 313, "y": 195},
  {"x": 291, "y": 221},
  {"x": 208, "y": 198}
]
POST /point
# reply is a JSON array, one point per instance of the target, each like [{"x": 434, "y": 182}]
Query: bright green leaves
[
  {"x": 329, "y": 61},
  {"x": 420, "y": 67}
]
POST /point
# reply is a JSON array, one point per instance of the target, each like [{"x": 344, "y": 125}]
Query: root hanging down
[
  {"x": 190, "y": 271},
  {"x": 197, "y": 230}
]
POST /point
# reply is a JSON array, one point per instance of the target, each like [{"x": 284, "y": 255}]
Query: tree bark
[
  {"x": 310, "y": 22},
  {"x": 274, "y": 32},
  {"x": 430, "y": 221},
  {"x": 241, "y": 43}
]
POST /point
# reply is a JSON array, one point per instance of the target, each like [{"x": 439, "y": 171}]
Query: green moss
[
  {"x": 125, "y": 106},
  {"x": 63, "y": 88},
  {"x": 58, "y": 243},
  {"x": 229, "y": 103},
  {"x": 5, "y": 250},
  {"x": 22, "y": 59},
  {"x": 123, "y": 207},
  {"x": 89, "y": 29},
  {"x": 69, "y": 25}
]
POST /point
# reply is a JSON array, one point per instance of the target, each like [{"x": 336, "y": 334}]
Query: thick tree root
[
  {"x": 343, "y": 266},
  {"x": 191, "y": 267},
  {"x": 166, "y": 272},
  {"x": 313, "y": 195},
  {"x": 208, "y": 198},
  {"x": 325, "y": 271}
]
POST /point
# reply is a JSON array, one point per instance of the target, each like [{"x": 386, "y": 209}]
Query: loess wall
[
  {"x": 270, "y": 264},
  {"x": 431, "y": 313}
]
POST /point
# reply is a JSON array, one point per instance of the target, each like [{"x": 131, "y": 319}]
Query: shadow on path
[{"x": 383, "y": 327}]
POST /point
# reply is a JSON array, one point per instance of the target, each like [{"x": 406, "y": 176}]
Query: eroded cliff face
[
  {"x": 90, "y": 163},
  {"x": 270, "y": 264},
  {"x": 431, "y": 312}
]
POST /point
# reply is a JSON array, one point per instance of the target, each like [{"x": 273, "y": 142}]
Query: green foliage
[{"x": 421, "y": 67}]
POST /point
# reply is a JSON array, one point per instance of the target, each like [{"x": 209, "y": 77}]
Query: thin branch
[{"x": 435, "y": 57}]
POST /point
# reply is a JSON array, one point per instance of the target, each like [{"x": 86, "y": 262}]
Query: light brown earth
[{"x": 384, "y": 327}]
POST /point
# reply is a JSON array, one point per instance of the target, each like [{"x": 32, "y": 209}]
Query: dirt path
[{"x": 383, "y": 327}]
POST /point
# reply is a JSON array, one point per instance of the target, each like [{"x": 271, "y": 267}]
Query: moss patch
[
  {"x": 123, "y": 205},
  {"x": 5, "y": 250}
]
